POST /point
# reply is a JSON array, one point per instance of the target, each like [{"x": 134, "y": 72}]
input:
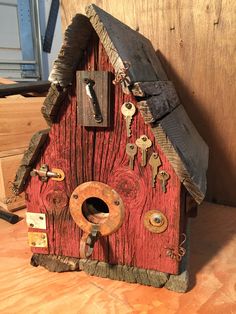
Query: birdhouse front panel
[
  {"x": 102, "y": 177},
  {"x": 108, "y": 185}
]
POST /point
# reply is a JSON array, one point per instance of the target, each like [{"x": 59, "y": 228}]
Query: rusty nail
[
  {"x": 117, "y": 202},
  {"x": 33, "y": 243},
  {"x": 144, "y": 138},
  {"x": 75, "y": 196},
  {"x": 31, "y": 225},
  {"x": 131, "y": 146},
  {"x": 40, "y": 217}
]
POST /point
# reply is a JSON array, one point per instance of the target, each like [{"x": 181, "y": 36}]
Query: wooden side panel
[
  {"x": 8, "y": 167},
  {"x": 195, "y": 41},
  {"x": 86, "y": 154},
  {"x": 19, "y": 120}
]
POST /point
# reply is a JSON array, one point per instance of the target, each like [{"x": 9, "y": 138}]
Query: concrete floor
[{"x": 25, "y": 289}]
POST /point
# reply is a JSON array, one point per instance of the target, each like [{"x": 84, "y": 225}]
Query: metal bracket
[
  {"x": 44, "y": 173},
  {"x": 93, "y": 100},
  {"x": 88, "y": 241}
]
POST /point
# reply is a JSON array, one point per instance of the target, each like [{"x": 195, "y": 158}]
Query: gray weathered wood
[
  {"x": 102, "y": 88},
  {"x": 180, "y": 283},
  {"x": 53, "y": 102},
  {"x": 126, "y": 273},
  {"x": 125, "y": 46},
  {"x": 55, "y": 263},
  {"x": 163, "y": 100},
  {"x": 30, "y": 157},
  {"x": 145, "y": 89},
  {"x": 75, "y": 42},
  {"x": 185, "y": 149}
]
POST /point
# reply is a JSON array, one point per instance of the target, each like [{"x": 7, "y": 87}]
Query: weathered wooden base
[{"x": 53, "y": 263}]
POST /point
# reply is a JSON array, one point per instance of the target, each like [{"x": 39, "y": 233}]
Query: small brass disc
[
  {"x": 155, "y": 221},
  {"x": 60, "y": 173}
]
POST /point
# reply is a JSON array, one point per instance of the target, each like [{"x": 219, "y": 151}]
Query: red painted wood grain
[{"x": 90, "y": 154}]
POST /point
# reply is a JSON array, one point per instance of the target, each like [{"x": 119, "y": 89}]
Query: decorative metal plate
[
  {"x": 37, "y": 239},
  {"x": 105, "y": 224},
  {"x": 36, "y": 220}
]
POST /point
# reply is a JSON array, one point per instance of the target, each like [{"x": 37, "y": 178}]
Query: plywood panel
[
  {"x": 196, "y": 43},
  {"x": 27, "y": 289},
  {"x": 19, "y": 120}
]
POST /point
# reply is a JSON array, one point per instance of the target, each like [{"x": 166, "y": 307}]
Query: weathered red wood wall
[
  {"x": 196, "y": 43},
  {"x": 87, "y": 154}
]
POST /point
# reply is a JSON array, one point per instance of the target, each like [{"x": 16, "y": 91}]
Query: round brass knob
[{"x": 155, "y": 221}]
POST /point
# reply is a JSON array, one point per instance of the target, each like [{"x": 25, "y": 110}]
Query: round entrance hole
[{"x": 95, "y": 210}]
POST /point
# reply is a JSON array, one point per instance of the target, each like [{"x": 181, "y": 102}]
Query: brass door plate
[
  {"x": 36, "y": 220},
  {"x": 102, "y": 89},
  {"x": 109, "y": 223},
  {"x": 37, "y": 239}
]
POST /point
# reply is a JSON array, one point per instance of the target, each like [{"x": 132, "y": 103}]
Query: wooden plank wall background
[{"x": 195, "y": 41}]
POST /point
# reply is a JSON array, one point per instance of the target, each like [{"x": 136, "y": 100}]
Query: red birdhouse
[{"x": 109, "y": 186}]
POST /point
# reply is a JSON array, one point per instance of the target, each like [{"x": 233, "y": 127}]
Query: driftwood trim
[
  {"x": 29, "y": 159},
  {"x": 76, "y": 39},
  {"x": 53, "y": 102},
  {"x": 160, "y": 99},
  {"x": 53, "y": 263}
]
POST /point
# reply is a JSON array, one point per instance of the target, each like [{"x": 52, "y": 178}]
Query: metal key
[
  {"x": 144, "y": 143},
  {"x": 163, "y": 176},
  {"x": 131, "y": 151},
  {"x": 128, "y": 110},
  {"x": 155, "y": 163}
]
